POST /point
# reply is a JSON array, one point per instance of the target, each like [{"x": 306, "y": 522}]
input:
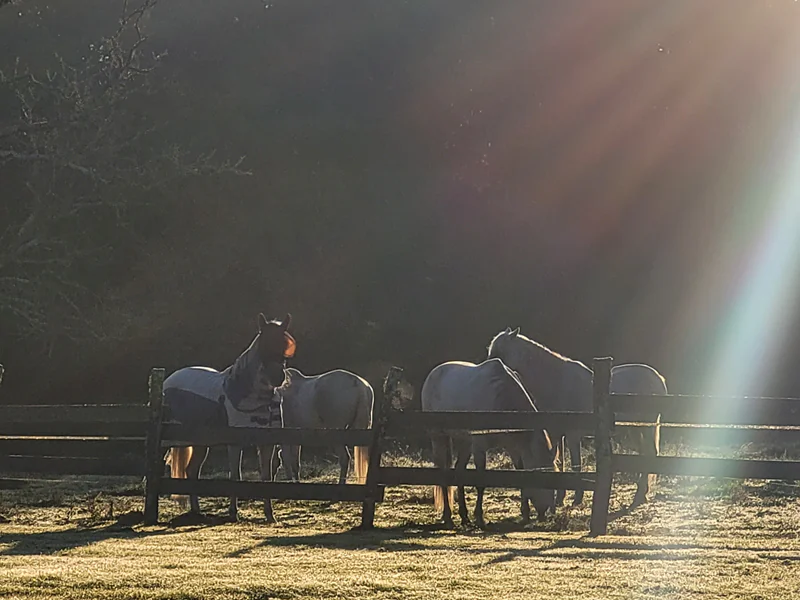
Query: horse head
[{"x": 275, "y": 346}]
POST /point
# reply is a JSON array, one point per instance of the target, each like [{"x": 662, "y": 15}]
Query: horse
[
  {"x": 337, "y": 399},
  {"x": 563, "y": 384},
  {"x": 243, "y": 395},
  {"x": 488, "y": 386}
]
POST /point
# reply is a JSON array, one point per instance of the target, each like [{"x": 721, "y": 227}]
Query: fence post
[
  {"x": 154, "y": 466},
  {"x": 380, "y": 409},
  {"x": 602, "y": 441}
]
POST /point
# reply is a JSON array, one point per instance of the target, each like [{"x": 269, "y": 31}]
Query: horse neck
[
  {"x": 542, "y": 374},
  {"x": 243, "y": 379}
]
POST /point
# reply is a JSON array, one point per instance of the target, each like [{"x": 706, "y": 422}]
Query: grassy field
[{"x": 698, "y": 538}]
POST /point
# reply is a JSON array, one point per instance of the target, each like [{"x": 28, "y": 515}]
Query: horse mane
[
  {"x": 244, "y": 360},
  {"x": 243, "y": 380},
  {"x": 535, "y": 345}
]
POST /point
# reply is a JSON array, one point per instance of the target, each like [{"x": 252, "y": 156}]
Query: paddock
[{"x": 82, "y": 537}]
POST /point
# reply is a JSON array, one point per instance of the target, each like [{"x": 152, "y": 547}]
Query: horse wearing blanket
[{"x": 243, "y": 395}]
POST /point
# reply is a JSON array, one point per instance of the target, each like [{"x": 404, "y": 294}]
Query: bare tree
[{"x": 82, "y": 164}]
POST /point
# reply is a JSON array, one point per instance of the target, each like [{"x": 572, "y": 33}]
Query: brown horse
[{"x": 243, "y": 395}]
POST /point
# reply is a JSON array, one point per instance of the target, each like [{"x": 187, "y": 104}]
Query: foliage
[{"x": 85, "y": 165}]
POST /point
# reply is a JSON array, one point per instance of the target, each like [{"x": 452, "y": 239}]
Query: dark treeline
[{"x": 423, "y": 174}]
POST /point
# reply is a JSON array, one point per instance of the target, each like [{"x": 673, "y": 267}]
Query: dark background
[{"x": 426, "y": 173}]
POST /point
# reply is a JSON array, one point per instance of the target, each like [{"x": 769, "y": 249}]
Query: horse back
[
  {"x": 336, "y": 399},
  {"x": 193, "y": 395},
  {"x": 464, "y": 386},
  {"x": 637, "y": 379}
]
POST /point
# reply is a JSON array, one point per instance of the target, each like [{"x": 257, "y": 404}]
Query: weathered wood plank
[
  {"x": 601, "y": 368},
  {"x": 133, "y": 429},
  {"x": 707, "y": 467},
  {"x": 154, "y": 465},
  {"x": 14, "y": 484},
  {"x": 415, "y": 423},
  {"x": 73, "y": 413},
  {"x": 255, "y": 490},
  {"x": 498, "y": 478},
  {"x": 716, "y": 435},
  {"x": 173, "y": 435},
  {"x": 381, "y": 406},
  {"x": 74, "y": 447},
  {"x": 711, "y": 410},
  {"x": 72, "y": 465}
]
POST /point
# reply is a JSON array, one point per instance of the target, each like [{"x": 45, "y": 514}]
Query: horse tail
[
  {"x": 362, "y": 420},
  {"x": 361, "y": 463},
  {"x": 443, "y": 458},
  {"x": 178, "y": 460}
]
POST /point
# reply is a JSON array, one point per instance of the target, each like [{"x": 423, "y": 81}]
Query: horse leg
[
  {"x": 294, "y": 461},
  {"x": 234, "y": 474},
  {"x": 524, "y": 507},
  {"x": 344, "y": 463},
  {"x": 649, "y": 441},
  {"x": 574, "y": 444},
  {"x": 275, "y": 461},
  {"x": 441, "y": 494},
  {"x": 479, "y": 455},
  {"x": 265, "y": 454},
  {"x": 290, "y": 459},
  {"x": 463, "y": 452},
  {"x": 560, "y": 440},
  {"x": 198, "y": 458}
]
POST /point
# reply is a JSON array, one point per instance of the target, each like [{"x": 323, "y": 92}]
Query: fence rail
[
  {"x": 181, "y": 435},
  {"x": 74, "y": 413},
  {"x": 73, "y": 447},
  {"x": 707, "y": 467},
  {"x": 497, "y": 478},
  {"x": 711, "y": 410},
  {"x": 404, "y": 423},
  {"x": 68, "y": 465},
  {"x": 255, "y": 490}
]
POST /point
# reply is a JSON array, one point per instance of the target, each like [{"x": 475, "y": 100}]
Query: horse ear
[
  {"x": 508, "y": 330},
  {"x": 286, "y": 321},
  {"x": 515, "y": 333},
  {"x": 262, "y": 322}
]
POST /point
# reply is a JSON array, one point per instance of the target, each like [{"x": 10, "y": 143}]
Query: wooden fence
[
  {"x": 730, "y": 418},
  {"x": 131, "y": 439},
  {"x": 80, "y": 440}
]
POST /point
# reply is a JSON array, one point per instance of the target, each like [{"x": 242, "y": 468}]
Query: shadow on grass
[
  {"x": 53, "y": 542},
  {"x": 403, "y": 538},
  {"x": 417, "y": 538}
]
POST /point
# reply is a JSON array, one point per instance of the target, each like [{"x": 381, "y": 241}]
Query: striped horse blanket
[{"x": 239, "y": 396}]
